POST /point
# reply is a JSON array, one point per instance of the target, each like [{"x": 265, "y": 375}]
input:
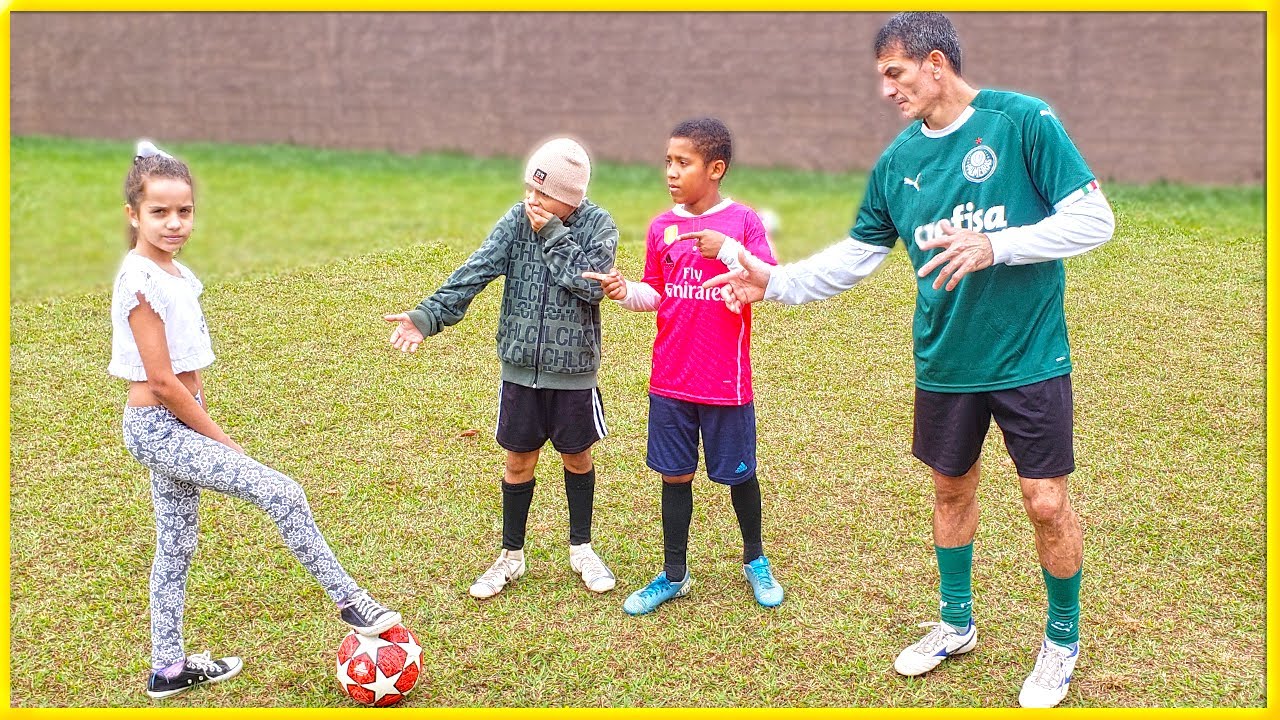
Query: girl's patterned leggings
[{"x": 182, "y": 461}]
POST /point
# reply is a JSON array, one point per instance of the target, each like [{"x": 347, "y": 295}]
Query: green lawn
[{"x": 301, "y": 252}]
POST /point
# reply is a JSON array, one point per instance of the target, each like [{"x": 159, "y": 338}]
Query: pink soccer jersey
[{"x": 702, "y": 352}]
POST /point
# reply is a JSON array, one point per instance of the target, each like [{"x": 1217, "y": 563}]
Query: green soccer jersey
[{"x": 1005, "y": 162}]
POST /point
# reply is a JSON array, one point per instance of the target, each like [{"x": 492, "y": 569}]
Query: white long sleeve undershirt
[
  {"x": 1075, "y": 228},
  {"x": 826, "y": 274},
  {"x": 1072, "y": 230},
  {"x": 640, "y": 297}
]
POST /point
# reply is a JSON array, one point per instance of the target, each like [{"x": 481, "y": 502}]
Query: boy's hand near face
[
  {"x": 613, "y": 284},
  {"x": 537, "y": 216}
]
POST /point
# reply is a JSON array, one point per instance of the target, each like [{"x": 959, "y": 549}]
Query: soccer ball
[{"x": 380, "y": 670}]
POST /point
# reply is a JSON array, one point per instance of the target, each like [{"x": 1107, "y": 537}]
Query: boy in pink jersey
[{"x": 701, "y": 378}]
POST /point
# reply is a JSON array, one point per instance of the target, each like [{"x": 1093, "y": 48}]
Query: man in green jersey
[{"x": 989, "y": 194}]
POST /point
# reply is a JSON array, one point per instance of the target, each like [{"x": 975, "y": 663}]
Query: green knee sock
[
  {"x": 955, "y": 566},
  {"x": 1063, "y": 626}
]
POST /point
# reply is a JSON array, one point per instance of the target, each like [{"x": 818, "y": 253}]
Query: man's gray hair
[{"x": 917, "y": 34}]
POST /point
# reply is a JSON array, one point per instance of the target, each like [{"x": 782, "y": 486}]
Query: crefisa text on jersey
[{"x": 964, "y": 217}]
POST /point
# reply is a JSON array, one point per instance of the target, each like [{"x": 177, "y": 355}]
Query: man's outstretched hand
[{"x": 739, "y": 288}]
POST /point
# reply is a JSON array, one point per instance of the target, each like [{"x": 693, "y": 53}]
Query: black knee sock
[
  {"x": 580, "y": 489},
  {"x": 746, "y": 503},
  {"x": 515, "y": 513},
  {"x": 677, "y": 513}
]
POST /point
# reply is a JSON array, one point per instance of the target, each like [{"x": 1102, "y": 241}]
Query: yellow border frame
[{"x": 629, "y": 6}]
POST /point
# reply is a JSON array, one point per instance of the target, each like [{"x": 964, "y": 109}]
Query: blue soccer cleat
[
  {"x": 759, "y": 575},
  {"x": 648, "y": 598}
]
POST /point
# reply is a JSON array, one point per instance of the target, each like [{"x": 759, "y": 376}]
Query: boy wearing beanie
[{"x": 548, "y": 342}]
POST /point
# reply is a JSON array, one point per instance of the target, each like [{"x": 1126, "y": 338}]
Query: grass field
[{"x": 302, "y": 251}]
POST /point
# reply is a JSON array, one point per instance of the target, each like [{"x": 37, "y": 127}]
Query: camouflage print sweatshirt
[{"x": 549, "y": 324}]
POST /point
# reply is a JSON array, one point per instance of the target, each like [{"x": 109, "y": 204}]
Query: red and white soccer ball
[{"x": 380, "y": 670}]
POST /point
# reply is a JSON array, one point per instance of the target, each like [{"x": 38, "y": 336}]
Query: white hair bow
[{"x": 147, "y": 149}]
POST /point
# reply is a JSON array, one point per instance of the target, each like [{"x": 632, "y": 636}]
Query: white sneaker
[
  {"x": 506, "y": 568},
  {"x": 586, "y": 563},
  {"x": 1048, "y": 682},
  {"x": 941, "y": 642}
]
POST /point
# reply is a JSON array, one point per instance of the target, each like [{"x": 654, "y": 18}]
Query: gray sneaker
[
  {"x": 197, "y": 670},
  {"x": 367, "y": 616}
]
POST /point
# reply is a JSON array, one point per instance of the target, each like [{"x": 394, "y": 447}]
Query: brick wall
[{"x": 1146, "y": 96}]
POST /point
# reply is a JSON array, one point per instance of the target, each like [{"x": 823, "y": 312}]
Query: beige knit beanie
[{"x": 560, "y": 169}]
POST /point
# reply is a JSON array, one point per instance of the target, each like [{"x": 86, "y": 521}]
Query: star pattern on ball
[
  {"x": 383, "y": 686},
  {"x": 379, "y": 670}
]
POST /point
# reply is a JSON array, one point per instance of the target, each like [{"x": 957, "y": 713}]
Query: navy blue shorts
[
  {"x": 1036, "y": 419},
  {"x": 573, "y": 420},
  {"x": 728, "y": 437}
]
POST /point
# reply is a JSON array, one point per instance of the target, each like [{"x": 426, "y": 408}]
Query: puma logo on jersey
[
  {"x": 1048, "y": 112},
  {"x": 913, "y": 183}
]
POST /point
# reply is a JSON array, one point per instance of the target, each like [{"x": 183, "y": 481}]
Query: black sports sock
[
  {"x": 746, "y": 504},
  {"x": 516, "y": 499},
  {"x": 580, "y": 489},
  {"x": 677, "y": 513}
]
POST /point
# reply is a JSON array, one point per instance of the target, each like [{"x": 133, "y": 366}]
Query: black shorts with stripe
[{"x": 573, "y": 420}]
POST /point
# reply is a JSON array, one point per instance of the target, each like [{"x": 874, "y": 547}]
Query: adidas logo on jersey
[{"x": 964, "y": 217}]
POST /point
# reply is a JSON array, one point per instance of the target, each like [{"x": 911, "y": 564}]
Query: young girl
[{"x": 160, "y": 343}]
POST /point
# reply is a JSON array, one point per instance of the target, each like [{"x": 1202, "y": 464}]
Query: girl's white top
[{"x": 175, "y": 299}]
